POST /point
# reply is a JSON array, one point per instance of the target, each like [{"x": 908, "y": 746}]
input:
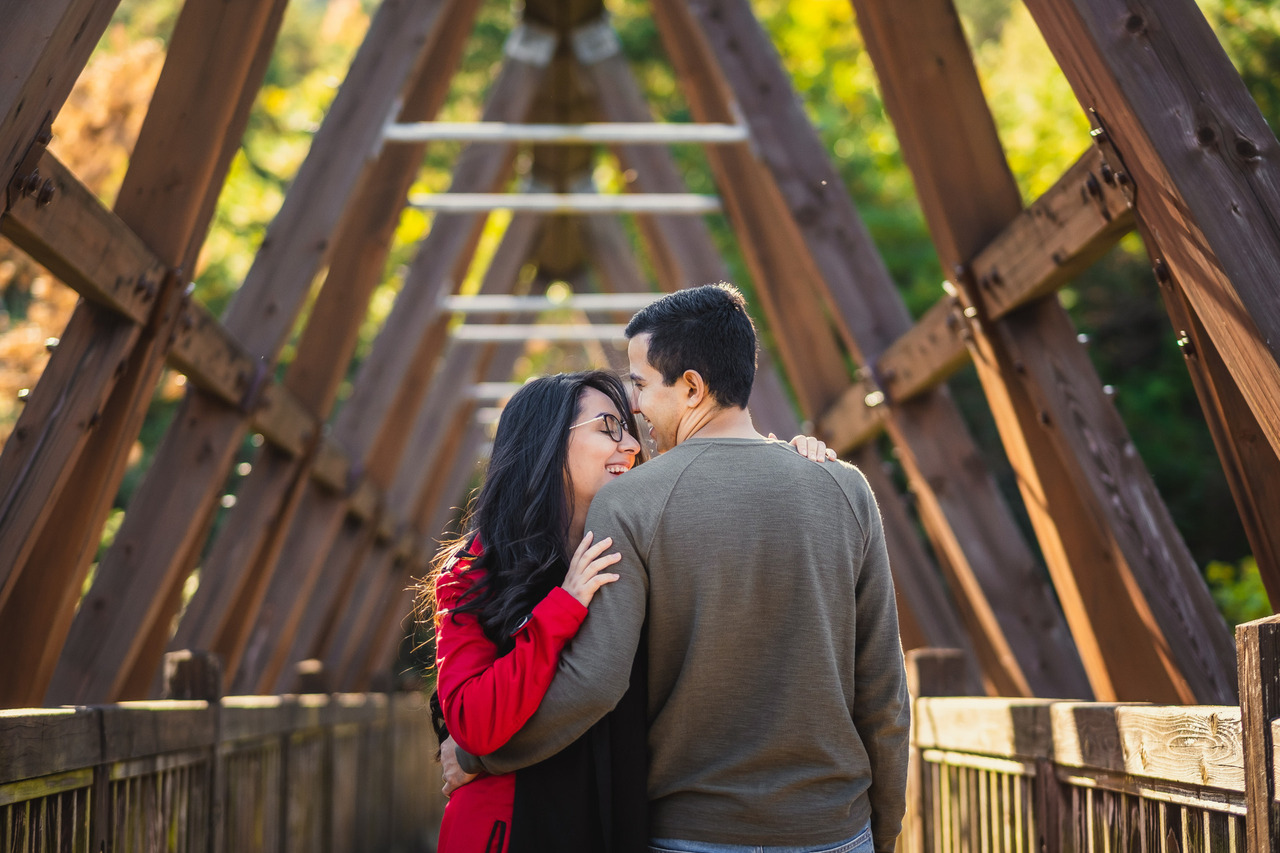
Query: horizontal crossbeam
[
  {"x": 524, "y": 304},
  {"x": 685, "y": 204},
  {"x": 600, "y": 133},
  {"x": 503, "y": 333}
]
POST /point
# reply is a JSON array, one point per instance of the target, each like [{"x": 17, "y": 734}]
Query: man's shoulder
[{"x": 645, "y": 483}]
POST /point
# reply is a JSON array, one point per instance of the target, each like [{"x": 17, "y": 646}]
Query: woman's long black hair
[{"x": 523, "y": 510}]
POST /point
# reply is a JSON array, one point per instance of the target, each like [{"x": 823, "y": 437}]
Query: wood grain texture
[
  {"x": 41, "y": 743},
  {"x": 45, "y": 46},
  {"x": 1205, "y": 164},
  {"x": 1258, "y": 644},
  {"x": 1018, "y": 728}
]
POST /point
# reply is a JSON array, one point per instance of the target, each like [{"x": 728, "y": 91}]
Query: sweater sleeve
[
  {"x": 486, "y": 698},
  {"x": 882, "y": 708},
  {"x": 595, "y": 669}
]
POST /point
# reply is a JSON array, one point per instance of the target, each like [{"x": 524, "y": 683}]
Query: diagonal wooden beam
[
  {"x": 44, "y": 47},
  {"x": 158, "y": 541},
  {"x": 375, "y": 421},
  {"x": 164, "y": 200},
  {"x": 1251, "y": 466},
  {"x": 1060, "y": 234},
  {"x": 1204, "y": 161},
  {"x": 1101, "y": 525},
  {"x": 991, "y": 571},
  {"x": 234, "y": 573}
]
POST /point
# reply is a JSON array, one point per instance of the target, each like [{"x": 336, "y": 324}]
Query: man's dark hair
[{"x": 704, "y": 329}]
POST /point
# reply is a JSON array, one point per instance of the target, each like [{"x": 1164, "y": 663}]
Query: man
[{"x": 777, "y": 700}]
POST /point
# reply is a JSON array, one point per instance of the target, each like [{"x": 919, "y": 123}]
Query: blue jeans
[{"x": 860, "y": 843}]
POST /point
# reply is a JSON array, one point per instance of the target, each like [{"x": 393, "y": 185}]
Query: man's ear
[{"x": 696, "y": 388}]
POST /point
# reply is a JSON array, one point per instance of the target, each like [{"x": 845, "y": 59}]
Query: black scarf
[{"x": 592, "y": 796}]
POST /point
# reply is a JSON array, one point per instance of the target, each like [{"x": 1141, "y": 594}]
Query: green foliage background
[{"x": 1115, "y": 305}]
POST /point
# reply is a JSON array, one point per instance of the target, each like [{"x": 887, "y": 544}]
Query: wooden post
[
  {"x": 192, "y": 675},
  {"x": 930, "y": 672},
  {"x": 1258, "y": 656}
]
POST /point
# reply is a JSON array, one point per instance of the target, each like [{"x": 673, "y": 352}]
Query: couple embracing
[{"x": 697, "y": 654}]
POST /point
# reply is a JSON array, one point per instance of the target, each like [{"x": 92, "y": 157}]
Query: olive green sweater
[{"x": 778, "y": 708}]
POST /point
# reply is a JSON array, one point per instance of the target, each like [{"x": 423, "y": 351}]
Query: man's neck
[{"x": 722, "y": 422}]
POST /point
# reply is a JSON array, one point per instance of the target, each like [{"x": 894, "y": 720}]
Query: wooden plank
[
  {"x": 1203, "y": 159},
  {"x": 962, "y": 508},
  {"x": 376, "y": 419},
  {"x": 968, "y": 197},
  {"x": 84, "y": 244},
  {"x": 43, "y": 742},
  {"x": 132, "y": 730},
  {"x": 268, "y": 498},
  {"x": 1017, "y": 728},
  {"x": 1258, "y": 644},
  {"x": 105, "y": 639},
  {"x": 44, "y": 48},
  {"x": 1187, "y": 745}
]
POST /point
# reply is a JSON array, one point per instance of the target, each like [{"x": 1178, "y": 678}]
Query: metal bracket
[
  {"x": 252, "y": 397},
  {"x": 595, "y": 41},
  {"x": 25, "y": 180},
  {"x": 1114, "y": 172},
  {"x": 532, "y": 43}
]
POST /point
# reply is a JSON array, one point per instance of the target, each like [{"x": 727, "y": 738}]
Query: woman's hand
[
  {"x": 454, "y": 776},
  {"x": 811, "y": 448},
  {"x": 584, "y": 576}
]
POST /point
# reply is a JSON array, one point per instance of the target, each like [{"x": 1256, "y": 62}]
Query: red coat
[{"x": 486, "y": 699}]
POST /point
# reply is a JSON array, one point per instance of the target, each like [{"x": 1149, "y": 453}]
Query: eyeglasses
[{"x": 612, "y": 425}]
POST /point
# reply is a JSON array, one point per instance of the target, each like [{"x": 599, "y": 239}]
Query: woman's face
[{"x": 594, "y": 457}]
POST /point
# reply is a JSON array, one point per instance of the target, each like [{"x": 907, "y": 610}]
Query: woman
[{"x": 509, "y": 593}]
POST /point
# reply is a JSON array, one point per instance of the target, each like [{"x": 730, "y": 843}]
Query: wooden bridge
[{"x": 299, "y": 603}]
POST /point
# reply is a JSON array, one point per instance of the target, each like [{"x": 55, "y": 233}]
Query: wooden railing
[
  {"x": 325, "y": 773},
  {"x": 995, "y": 774}
]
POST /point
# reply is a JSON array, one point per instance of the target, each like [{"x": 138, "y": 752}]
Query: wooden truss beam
[
  {"x": 1019, "y": 636},
  {"x": 1101, "y": 525},
  {"x": 43, "y": 48},
  {"x": 160, "y": 538},
  {"x": 1205, "y": 164},
  {"x": 1060, "y": 234},
  {"x": 165, "y": 200},
  {"x": 1206, "y": 168}
]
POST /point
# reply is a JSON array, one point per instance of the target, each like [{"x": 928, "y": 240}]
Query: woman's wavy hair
[{"x": 523, "y": 509}]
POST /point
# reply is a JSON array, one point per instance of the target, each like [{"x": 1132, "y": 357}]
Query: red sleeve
[{"x": 486, "y": 699}]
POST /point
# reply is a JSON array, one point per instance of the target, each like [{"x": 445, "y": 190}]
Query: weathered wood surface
[
  {"x": 42, "y": 743},
  {"x": 44, "y": 47},
  {"x": 1250, "y": 463},
  {"x": 1055, "y": 422},
  {"x": 1259, "y": 661},
  {"x": 1205, "y": 164},
  {"x": 146, "y": 566},
  {"x": 1058, "y": 235}
]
